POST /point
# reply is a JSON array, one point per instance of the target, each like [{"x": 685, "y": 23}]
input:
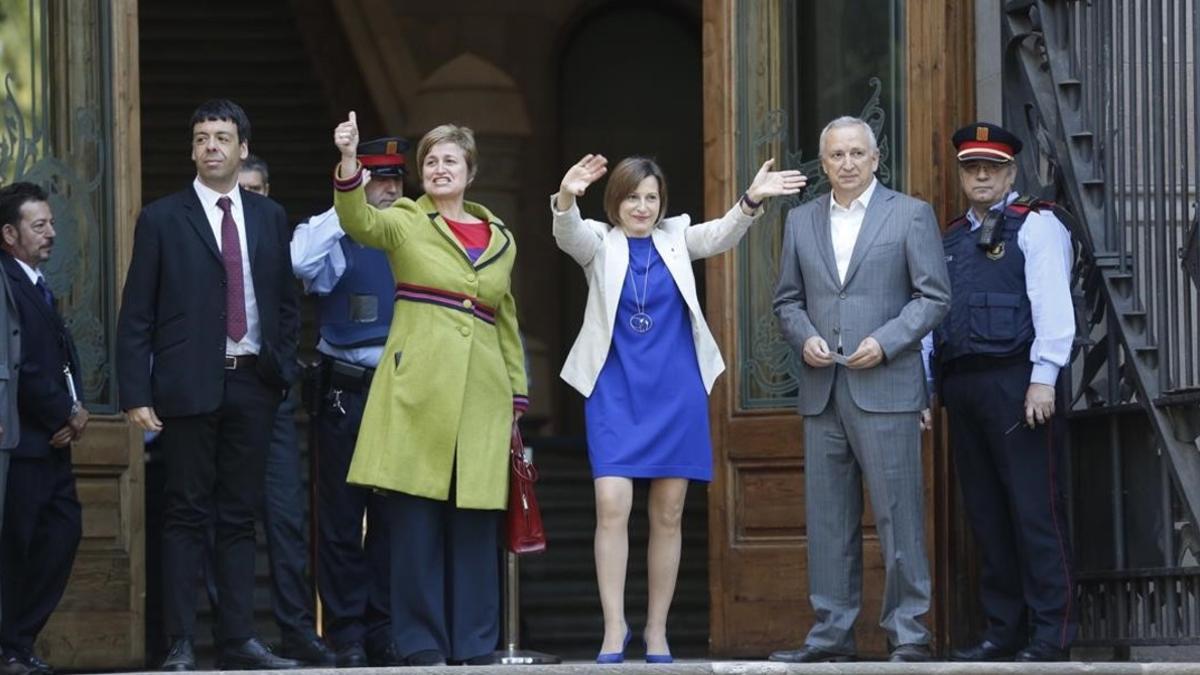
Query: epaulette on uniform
[
  {"x": 957, "y": 222},
  {"x": 1023, "y": 205}
]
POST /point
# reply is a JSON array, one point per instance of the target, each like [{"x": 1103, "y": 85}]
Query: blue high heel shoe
[
  {"x": 616, "y": 657},
  {"x": 659, "y": 658}
]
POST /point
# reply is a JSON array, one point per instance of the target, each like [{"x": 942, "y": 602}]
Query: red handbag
[{"x": 525, "y": 531}]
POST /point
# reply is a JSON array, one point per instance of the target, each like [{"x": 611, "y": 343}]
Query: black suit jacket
[
  {"x": 43, "y": 400},
  {"x": 173, "y": 305}
]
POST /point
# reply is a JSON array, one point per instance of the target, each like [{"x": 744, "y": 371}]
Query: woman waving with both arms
[{"x": 646, "y": 361}]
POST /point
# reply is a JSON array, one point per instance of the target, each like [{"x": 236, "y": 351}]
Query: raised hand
[
  {"x": 345, "y": 137},
  {"x": 577, "y": 179},
  {"x": 769, "y": 183},
  {"x": 585, "y": 172}
]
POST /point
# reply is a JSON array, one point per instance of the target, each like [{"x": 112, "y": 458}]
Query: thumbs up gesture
[{"x": 345, "y": 137}]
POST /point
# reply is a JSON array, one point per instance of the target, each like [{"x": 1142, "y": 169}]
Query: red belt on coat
[{"x": 460, "y": 302}]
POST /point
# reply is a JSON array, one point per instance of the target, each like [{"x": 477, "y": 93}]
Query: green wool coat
[{"x": 441, "y": 401}]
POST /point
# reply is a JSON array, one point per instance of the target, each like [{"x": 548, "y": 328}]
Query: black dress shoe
[
  {"x": 425, "y": 657},
  {"x": 984, "y": 651},
  {"x": 384, "y": 656},
  {"x": 252, "y": 654},
  {"x": 911, "y": 653},
  {"x": 351, "y": 656},
  {"x": 809, "y": 654},
  {"x": 36, "y": 666},
  {"x": 481, "y": 660},
  {"x": 180, "y": 657},
  {"x": 11, "y": 665},
  {"x": 310, "y": 651},
  {"x": 1041, "y": 651}
]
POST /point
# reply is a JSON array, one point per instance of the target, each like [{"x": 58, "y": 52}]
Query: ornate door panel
[
  {"x": 776, "y": 72},
  {"x": 69, "y": 98}
]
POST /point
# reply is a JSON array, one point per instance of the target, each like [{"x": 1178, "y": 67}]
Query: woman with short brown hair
[
  {"x": 435, "y": 431},
  {"x": 646, "y": 361}
]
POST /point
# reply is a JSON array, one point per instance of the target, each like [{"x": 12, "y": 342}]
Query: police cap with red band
[
  {"x": 987, "y": 142},
  {"x": 384, "y": 156}
]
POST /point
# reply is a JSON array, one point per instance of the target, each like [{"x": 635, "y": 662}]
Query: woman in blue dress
[{"x": 646, "y": 362}]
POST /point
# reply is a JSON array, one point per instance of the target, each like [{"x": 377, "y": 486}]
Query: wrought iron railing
[
  {"x": 1106, "y": 94},
  {"x": 1138, "y": 82}
]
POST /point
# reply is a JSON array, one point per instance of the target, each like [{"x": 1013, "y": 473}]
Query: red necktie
[{"x": 231, "y": 253}]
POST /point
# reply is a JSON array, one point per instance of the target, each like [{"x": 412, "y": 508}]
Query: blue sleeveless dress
[{"x": 647, "y": 416}]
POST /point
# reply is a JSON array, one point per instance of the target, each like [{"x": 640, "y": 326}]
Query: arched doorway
[{"x": 629, "y": 82}]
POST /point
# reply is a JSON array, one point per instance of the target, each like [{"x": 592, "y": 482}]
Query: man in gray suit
[{"x": 862, "y": 279}]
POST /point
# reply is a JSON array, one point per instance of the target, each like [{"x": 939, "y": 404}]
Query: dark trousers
[
  {"x": 352, "y": 572},
  {"x": 283, "y": 520},
  {"x": 215, "y": 465},
  {"x": 41, "y": 532},
  {"x": 1012, "y": 486},
  {"x": 445, "y": 577}
]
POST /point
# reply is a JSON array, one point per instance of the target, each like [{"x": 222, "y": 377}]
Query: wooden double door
[{"x": 776, "y": 71}]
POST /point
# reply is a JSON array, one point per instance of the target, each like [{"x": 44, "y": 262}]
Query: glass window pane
[
  {"x": 23, "y": 87},
  {"x": 798, "y": 65},
  {"x": 57, "y": 128}
]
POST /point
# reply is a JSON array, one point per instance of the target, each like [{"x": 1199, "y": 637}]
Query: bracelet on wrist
[{"x": 753, "y": 205}]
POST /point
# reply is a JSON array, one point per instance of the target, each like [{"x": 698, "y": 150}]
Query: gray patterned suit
[
  {"x": 863, "y": 424},
  {"x": 10, "y": 363}
]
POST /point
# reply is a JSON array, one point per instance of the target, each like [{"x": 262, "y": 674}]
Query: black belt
[
  {"x": 974, "y": 363},
  {"x": 240, "y": 362},
  {"x": 347, "y": 376}
]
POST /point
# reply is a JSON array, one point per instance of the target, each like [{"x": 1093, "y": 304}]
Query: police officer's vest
[
  {"x": 358, "y": 312},
  {"x": 990, "y": 314}
]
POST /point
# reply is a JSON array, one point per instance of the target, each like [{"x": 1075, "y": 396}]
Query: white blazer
[{"x": 603, "y": 252}]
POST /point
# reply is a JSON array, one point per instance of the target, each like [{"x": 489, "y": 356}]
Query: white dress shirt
[
  {"x": 844, "y": 225},
  {"x": 1046, "y": 245},
  {"x": 251, "y": 342},
  {"x": 34, "y": 274},
  {"x": 319, "y": 262}
]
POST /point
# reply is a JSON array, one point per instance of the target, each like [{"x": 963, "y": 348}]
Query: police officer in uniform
[
  {"x": 997, "y": 356},
  {"x": 355, "y": 290}
]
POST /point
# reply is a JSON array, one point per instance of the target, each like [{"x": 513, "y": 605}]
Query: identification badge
[{"x": 364, "y": 308}]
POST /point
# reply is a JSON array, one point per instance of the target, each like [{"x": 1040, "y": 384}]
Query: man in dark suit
[
  {"x": 42, "y": 524},
  {"x": 206, "y": 346}
]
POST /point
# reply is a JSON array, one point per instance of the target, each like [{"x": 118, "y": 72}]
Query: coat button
[
  {"x": 464, "y": 331},
  {"x": 842, "y": 296},
  {"x": 471, "y": 278},
  {"x": 467, "y": 303}
]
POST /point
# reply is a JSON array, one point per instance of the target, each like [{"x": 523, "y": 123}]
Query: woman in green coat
[{"x": 442, "y": 403}]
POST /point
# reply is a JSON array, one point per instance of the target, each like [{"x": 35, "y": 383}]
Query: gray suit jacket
[
  {"x": 896, "y": 290},
  {"x": 10, "y": 367}
]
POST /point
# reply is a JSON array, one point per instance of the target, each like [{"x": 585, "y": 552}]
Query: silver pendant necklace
[{"x": 641, "y": 322}]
